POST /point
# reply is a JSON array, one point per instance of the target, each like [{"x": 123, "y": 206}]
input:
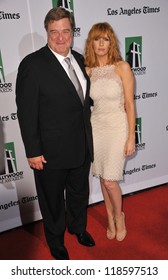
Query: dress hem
[{"x": 108, "y": 179}]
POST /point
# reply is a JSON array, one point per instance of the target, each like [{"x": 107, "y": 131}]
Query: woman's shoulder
[
  {"x": 88, "y": 71},
  {"x": 123, "y": 65},
  {"x": 124, "y": 70}
]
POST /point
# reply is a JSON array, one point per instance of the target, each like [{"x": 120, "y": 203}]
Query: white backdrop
[{"x": 142, "y": 23}]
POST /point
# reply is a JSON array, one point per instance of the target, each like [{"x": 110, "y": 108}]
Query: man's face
[{"x": 60, "y": 36}]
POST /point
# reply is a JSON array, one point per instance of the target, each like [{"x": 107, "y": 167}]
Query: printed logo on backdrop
[
  {"x": 146, "y": 95},
  {"x": 140, "y": 145},
  {"x": 133, "y": 54},
  {"x": 10, "y": 172},
  {"x": 2, "y": 76},
  {"x": 12, "y": 116},
  {"x": 144, "y": 167},
  {"x": 4, "y": 86},
  {"x": 68, "y": 5},
  {"x": 9, "y": 15},
  {"x": 133, "y": 11},
  {"x": 13, "y": 203}
]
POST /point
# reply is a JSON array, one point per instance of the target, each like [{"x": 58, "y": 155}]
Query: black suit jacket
[{"x": 52, "y": 119}]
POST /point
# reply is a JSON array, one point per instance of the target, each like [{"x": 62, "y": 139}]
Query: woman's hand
[{"x": 129, "y": 147}]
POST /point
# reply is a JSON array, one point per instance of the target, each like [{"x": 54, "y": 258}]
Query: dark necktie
[{"x": 74, "y": 79}]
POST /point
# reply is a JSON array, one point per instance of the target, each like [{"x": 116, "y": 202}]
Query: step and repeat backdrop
[{"x": 141, "y": 30}]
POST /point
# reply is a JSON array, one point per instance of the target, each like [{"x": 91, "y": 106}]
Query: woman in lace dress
[{"x": 113, "y": 119}]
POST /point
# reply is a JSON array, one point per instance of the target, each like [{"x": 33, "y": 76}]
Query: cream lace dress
[{"x": 109, "y": 123}]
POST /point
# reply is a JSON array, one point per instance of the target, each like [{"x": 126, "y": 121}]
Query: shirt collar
[{"x": 61, "y": 57}]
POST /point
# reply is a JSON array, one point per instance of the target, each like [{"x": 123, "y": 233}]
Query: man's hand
[{"x": 36, "y": 162}]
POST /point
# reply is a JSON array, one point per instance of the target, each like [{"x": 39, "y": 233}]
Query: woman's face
[{"x": 101, "y": 45}]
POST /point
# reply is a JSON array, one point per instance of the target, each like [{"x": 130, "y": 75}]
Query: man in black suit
[{"x": 56, "y": 131}]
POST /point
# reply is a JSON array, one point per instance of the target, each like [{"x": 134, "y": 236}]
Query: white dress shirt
[{"x": 75, "y": 66}]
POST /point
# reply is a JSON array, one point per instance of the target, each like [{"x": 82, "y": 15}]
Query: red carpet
[{"x": 147, "y": 239}]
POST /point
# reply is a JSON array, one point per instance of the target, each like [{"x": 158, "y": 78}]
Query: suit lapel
[{"x": 58, "y": 71}]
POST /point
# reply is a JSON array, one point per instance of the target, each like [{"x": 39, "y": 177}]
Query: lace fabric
[{"x": 109, "y": 123}]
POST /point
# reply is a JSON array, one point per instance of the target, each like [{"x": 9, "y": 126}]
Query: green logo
[
  {"x": 66, "y": 4},
  {"x": 2, "y": 76},
  {"x": 10, "y": 172},
  {"x": 133, "y": 51},
  {"x": 140, "y": 145},
  {"x": 10, "y": 158},
  {"x": 138, "y": 131}
]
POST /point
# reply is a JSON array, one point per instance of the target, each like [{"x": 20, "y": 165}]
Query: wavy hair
[{"x": 100, "y": 30}]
